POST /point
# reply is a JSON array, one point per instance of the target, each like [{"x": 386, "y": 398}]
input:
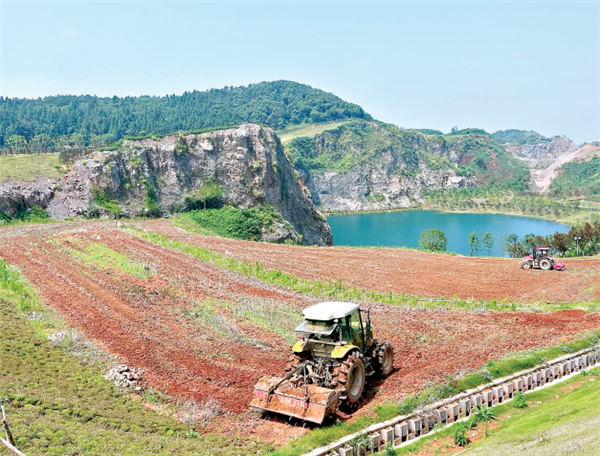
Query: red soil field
[
  {"x": 412, "y": 272},
  {"x": 143, "y": 322}
]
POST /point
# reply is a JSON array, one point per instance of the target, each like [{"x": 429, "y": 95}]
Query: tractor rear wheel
[
  {"x": 351, "y": 377},
  {"x": 545, "y": 264}
]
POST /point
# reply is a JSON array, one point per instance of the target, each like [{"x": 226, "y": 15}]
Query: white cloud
[{"x": 69, "y": 33}]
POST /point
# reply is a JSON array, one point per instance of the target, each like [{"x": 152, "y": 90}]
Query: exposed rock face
[
  {"x": 16, "y": 196},
  {"x": 364, "y": 166},
  {"x": 540, "y": 155},
  {"x": 155, "y": 175},
  {"x": 368, "y": 189}
]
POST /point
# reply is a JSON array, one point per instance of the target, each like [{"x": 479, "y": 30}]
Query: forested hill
[
  {"x": 519, "y": 137},
  {"x": 92, "y": 119}
]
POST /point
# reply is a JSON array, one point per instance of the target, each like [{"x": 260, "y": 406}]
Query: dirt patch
[
  {"x": 570, "y": 388},
  {"x": 408, "y": 271},
  {"x": 149, "y": 324}
]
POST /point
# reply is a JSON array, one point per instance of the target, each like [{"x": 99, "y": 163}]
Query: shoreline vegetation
[{"x": 564, "y": 220}]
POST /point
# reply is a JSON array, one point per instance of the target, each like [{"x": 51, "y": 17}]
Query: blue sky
[{"x": 493, "y": 65}]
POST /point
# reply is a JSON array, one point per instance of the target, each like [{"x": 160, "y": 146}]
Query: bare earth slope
[
  {"x": 543, "y": 178},
  {"x": 411, "y": 272}
]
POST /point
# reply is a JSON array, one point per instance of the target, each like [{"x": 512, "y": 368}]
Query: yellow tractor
[{"x": 329, "y": 365}]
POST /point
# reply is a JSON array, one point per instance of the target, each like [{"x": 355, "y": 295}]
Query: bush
[
  {"x": 246, "y": 224},
  {"x": 210, "y": 196},
  {"x": 102, "y": 199},
  {"x": 461, "y": 437},
  {"x": 433, "y": 240},
  {"x": 484, "y": 414},
  {"x": 520, "y": 401}
]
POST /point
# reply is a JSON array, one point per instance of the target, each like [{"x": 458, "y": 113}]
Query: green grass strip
[
  {"x": 557, "y": 423},
  {"x": 336, "y": 289},
  {"x": 93, "y": 253}
]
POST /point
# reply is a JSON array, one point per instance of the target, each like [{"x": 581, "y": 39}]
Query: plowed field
[
  {"x": 411, "y": 272},
  {"x": 202, "y": 332}
]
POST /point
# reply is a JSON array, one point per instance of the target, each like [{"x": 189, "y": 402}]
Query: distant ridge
[{"x": 277, "y": 104}]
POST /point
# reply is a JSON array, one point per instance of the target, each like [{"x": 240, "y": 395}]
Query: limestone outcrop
[{"x": 157, "y": 176}]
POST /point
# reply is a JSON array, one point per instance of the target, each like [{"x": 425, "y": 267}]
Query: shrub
[
  {"x": 484, "y": 414},
  {"x": 210, "y": 196},
  {"x": 433, "y": 240},
  {"x": 389, "y": 449},
  {"x": 520, "y": 401},
  {"x": 235, "y": 223},
  {"x": 460, "y": 431},
  {"x": 102, "y": 199}
]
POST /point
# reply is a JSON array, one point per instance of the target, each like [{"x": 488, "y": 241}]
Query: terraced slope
[
  {"x": 411, "y": 272},
  {"x": 199, "y": 331}
]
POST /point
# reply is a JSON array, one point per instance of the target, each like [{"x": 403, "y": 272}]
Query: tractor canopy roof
[
  {"x": 542, "y": 248},
  {"x": 327, "y": 311}
]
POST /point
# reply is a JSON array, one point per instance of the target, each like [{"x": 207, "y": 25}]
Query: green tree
[
  {"x": 474, "y": 243},
  {"x": 488, "y": 240},
  {"x": 517, "y": 250},
  {"x": 561, "y": 242},
  {"x": 16, "y": 144},
  {"x": 433, "y": 240},
  {"x": 41, "y": 143}
]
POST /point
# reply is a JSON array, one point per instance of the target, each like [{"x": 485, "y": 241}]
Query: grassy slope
[
  {"x": 566, "y": 425},
  {"x": 308, "y": 130},
  {"x": 575, "y": 178},
  {"x": 561, "y": 419},
  {"x": 59, "y": 404},
  {"x": 28, "y": 167}
]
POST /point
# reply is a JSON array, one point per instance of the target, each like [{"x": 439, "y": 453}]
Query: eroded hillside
[{"x": 364, "y": 165}]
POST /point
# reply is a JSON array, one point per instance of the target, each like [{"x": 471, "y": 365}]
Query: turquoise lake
[{"x": 403, "y": 229}]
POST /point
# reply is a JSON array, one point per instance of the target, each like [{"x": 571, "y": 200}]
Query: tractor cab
[
  {"x": 540, "y": 252},
  {"x": 328, "y": 325}
]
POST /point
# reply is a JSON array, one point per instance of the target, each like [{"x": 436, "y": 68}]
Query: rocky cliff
[
  {"x": 542, "y": 154},
  {"x": 160, "y": 176},
  {"x": 367, "y": 165}
]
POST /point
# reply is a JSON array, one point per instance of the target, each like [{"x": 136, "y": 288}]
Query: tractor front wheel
[
  {"x": 526, "y": 265},
  {"x": 545, "y": 264},
  {"x": 351, "y": 376}
]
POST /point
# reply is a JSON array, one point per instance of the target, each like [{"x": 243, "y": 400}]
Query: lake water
[{"x": 403, "y": 229}]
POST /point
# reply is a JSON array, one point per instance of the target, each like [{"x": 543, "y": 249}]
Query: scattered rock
[
  {"x": 57, "y": 337},
  {"x": 35, "y": 316},
  {"x": 125, "y": 376}
]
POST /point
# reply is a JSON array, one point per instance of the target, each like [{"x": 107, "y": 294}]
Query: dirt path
[{"x": 408, "y": 271}]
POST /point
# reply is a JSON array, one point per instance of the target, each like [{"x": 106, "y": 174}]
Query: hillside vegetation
[
  {"x": 469, "y": 152},
  {"x": 89, "y": 120},
  {"x": 519, "y": 137},
  {"x": 577, "y": 178}
]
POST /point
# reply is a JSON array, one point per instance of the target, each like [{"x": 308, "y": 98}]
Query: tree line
[
  {"x": 580, "y": 240},
  {"x": 51, "y": 123},
  {"x": 494, "y": 198}
]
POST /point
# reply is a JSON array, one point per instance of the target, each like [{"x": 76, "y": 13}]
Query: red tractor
[{"x": 541, "y": 258}]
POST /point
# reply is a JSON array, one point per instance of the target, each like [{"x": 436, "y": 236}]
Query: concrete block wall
[{"x": 403, "y": 429}]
